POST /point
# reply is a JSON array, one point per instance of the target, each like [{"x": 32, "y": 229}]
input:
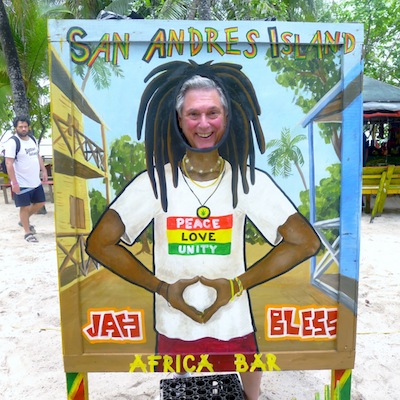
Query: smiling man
[{"x": 202, "y": 116}]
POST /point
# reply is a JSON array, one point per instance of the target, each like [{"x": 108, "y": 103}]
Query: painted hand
[
  {"x": 174, "y": 296},
  {"x": 223, "y": 288}
]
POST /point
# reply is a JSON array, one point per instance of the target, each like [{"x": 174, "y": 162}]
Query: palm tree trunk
[
  {"x": 145, "y": 244},
  {"x": 301, "y": 174},
  {"x": 85, "y": 79},
  {"x": 21, "y": 106},
  {"x": 192, "y": 10},
  {"x": 337, "y": 143},
  {"x": 204, "y": 10}
]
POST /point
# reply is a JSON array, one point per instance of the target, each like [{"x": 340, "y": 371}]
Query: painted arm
[
  {"x": 103, "y": 245},
  {"x": 299, "y": 243}
]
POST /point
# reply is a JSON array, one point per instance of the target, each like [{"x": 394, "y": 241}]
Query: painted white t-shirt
[
  {"x": 186, "y": 246},
  {"x": 26, "y": 165}
]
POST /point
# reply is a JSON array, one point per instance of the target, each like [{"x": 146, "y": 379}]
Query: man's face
[
  {"x": 203, "y": 118},
  {"x": 22, "y": 128}
]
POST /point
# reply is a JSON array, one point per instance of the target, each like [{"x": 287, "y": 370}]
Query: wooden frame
[{"x": 137, "y": 46}]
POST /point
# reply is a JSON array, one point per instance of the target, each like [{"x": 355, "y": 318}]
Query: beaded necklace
[
  {"x": 189, "y": 166},
  {"x": 221, "y": 168},
  {"x": 203, "y": 211}
]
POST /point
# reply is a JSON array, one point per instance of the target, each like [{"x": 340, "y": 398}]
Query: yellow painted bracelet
[
  {"x": 232, "y": 290},
  {"x": 240, "y": 286}
]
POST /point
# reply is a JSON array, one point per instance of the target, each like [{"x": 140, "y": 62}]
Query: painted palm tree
[{"x": 286, "y": 152}]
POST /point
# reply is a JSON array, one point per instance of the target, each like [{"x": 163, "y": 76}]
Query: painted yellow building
[{"x": 77, "y": 158}]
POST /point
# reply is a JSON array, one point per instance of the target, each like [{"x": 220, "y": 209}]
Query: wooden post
[
  {"x": 77, "y": 386},
  {"x": 341, "y": 384}
]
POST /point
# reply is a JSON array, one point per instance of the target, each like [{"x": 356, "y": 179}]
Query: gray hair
[{"x": 198, "y": 82}]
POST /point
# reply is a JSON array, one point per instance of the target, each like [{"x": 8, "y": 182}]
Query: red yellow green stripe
[
  {"x": 77, "y": 386},
  {"x": 194, "y": 236}
]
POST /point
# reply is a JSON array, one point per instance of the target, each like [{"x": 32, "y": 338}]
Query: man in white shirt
[{"x": 24, "y": 173}]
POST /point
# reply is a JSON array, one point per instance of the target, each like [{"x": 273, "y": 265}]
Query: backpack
[{"x": 17, "y": 149}]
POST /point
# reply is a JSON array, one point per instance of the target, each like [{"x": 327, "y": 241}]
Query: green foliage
[
  {"x": 98, "y": 204},
  {"x": 86, "y": 9},
  {"x": 252, "y": 234},
  {"x": 126, "y": 160},
  {"x": 310, "y": 78},
  {"x": 28, "y": 21},
  {"x": 162, "y": 9},
  {"x": 304, "y": 10},
  {"x": 101, "y": 72},
  {"x": 327, "y": 195},
  {"x": 219, "y": 9},
  {"x": 381, "y": 34},
  {"x": 247, "y": 10}
]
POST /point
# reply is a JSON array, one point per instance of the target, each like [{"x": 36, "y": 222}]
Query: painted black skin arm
[
  {"x": 103, "y": 245},
  {"x": 299, "y": 243}
]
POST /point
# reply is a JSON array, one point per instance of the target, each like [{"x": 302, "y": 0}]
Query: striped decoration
[
  {"x": 341, "y": 384},
  {"x": 77, "y": 386}
]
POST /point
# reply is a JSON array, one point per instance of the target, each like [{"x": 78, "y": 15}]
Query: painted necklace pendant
[{"x": 203, "y": 212}]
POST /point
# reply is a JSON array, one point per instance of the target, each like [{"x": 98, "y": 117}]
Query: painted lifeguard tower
[{"x": 77, "y": 159}]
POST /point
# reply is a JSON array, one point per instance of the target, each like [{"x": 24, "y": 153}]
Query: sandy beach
[{"x": 31, "y": 365}]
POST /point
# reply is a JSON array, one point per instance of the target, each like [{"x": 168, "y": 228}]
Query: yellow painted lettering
[
  {"x": 196, "y": 41},
  {"x": 298, "y": 48},
  {"x": 287, "y": 49},
  {"x": 257, "y": 363},
  {"x": 231, "y": 40},
  {"x": 80, "y": 52},
  {"x": 332, "y": 42},
  {"x": 250, "y": 36},
  {"x": 212, "y": 36},
  {"x": 241, "y": 363},
  {"x": 157, "y": 44},
  {"x": 178, "y": 363},
  {"x": 271, "y": 362},
  {"x": 167, "y": 364},
  {"x": 103, "y": 47},
  {"x": 175, "y": 41},
  {"x": 153, "y": 361},
  {"x": 137, "y": 363},
  {"x": 204, "y": 364},
  {"x": 349, "y": 42},
  {"x": 317, "y": 39},
  {"x": 121, "y": 46},
  {"x": 273, "y": 37},
  {"x": 185, "y": 365}
]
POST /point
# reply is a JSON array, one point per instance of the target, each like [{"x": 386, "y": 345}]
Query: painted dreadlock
[{"x": 163, "y": 139}]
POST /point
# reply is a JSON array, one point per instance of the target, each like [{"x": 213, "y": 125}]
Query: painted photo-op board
[{"x": 207, "y": 193}]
